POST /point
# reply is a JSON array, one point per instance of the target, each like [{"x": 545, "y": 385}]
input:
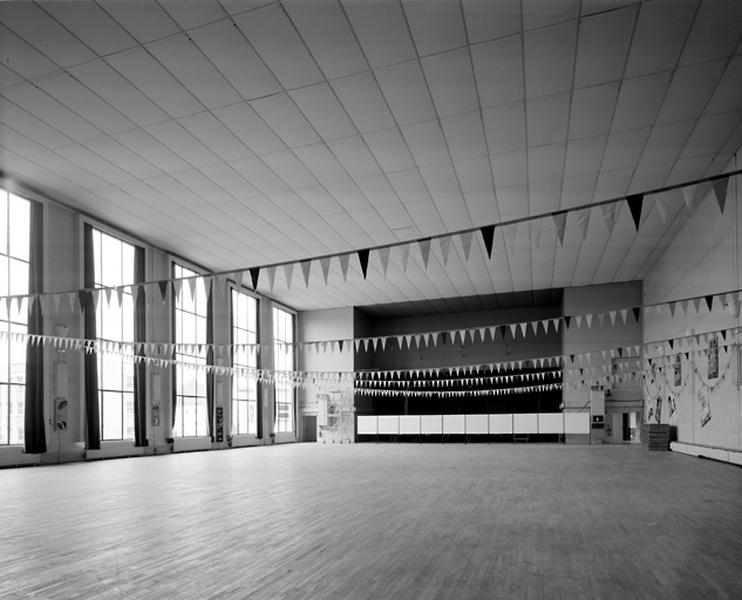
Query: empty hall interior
[{"x": 370, "y": 299}]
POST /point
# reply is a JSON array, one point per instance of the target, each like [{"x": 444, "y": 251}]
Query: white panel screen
[
  {"x": 501, "y": 423},
  {"x": 453, "y": 424},
  {"x": 389, "y": 424},
  {"x": 525, "y": 423},
  {"x": 476, "y": 424},
  {"x": 409, "y": 424},
  {"x": 577, "y": 422},
  {"x": 431, "y": 424},
  {"x": 550, "y": 423},
  {"x": 366, "y": 425}
]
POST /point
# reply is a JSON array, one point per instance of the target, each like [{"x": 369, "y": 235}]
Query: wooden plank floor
[{"x": 375, "y": 521}]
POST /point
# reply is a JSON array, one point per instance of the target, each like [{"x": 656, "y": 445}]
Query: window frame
[
  {"x": 234, "y": 289},
  {"x": 294, "y": 355}
]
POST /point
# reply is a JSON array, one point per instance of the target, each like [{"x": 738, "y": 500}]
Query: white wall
[{"x": 704, "y": 258}]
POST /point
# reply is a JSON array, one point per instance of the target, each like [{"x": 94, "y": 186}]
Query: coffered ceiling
[{"x": 248, "y": 133}]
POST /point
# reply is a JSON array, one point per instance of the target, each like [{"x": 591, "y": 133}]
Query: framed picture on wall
[
  {"x": 677, "y": 371},
  {"x": 713, "y": 356},
  {"x": 705, "y": 407}
]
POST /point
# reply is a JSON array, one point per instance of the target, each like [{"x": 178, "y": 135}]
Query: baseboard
[{"x": 721, "y": 454}]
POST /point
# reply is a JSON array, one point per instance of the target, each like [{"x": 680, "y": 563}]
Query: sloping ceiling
[{"x": 247, "y": 133}]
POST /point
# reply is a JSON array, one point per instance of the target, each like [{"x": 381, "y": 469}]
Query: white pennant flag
[
  {"x": 536, "y": 228},
  {"x": 271, "y": 273},
  {"x": 306, "y": 266},
  {"x": 445, "y": 245},
  {"x": 661, "y": 208},
  {"x": 288, "y": 270},
  {"x": 192, "y": 286},
  {"x": 384, "y": 258},
  {"x": 344, "y": 261},
  {"x": 583, "y": 221},
  {"x": 689, "y": 195},
  {"x": 425, "y": 251},
  {"x": 466, "y": 238},
  {"x": 609, "y": 215}
]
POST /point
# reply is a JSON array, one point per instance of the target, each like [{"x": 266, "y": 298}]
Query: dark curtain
[
  {"x": 34, "y": 428},
  {"x": 91, "y": 357},
  {"x": 210, "y": 361},
  {"x": 140, "y": 366}
]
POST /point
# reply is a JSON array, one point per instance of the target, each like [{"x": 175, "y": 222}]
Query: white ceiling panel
[
  {"x": 537, "y": 13},
  {"x": 442, "y": 182},
  {"x": 505, "y": 127},
  {"x": 545, "y": 162},
  {"x": 72, "y": 93},
  {"x": 491, "y": 20},
  {"x": 465, "y": 135},
  {"x": 258, "y": 174},
  {"x": 544, "y": 196},
  {"x": 280, "y": 114},
  {"x": 87, "y": 159},
  {"x": 91, "y": 24},
  {"x": 120, "y": 155},
  {"x": 604, "y": 42},
  {"x": 639, "y": 101},
  {"x": 364, "y": 102},
  {"x": 660, "y": 32},
  {"x": 689, "y": 91},
  {"x": 510, "y": 168},
  {"x": 322, "y": 109},
  {"x": 320, "y": 201},
  {"x": 592, "y": 109},
  {"x": 329, "y": 37},
  {"x": 272, "y": 34},
  {"x": 624, "y": 148},
  {"x": 382, "y": 30},
  {"x": 666, "y": 141},
  {"x": 169, "y": 186},
  {"x": 406, "y": 91},
  {"x": 389, "y": 150},
  {"x": 31, "y": 126},
  {"x": 118, "y": 92},
  {"x": 64, "y": 168},
  {"x": 229, "y": 51},
  {"x": 7, "y": 77},
  {"x": 577, "y": 190},
  {"x": 378, "y": 190},
  {"x": 715, "y": 32},
  {"x": 147, "y": 147},
  {"x": 482, "y": 207},
  {"x": 354, "y": 155},
  {"x": 23, "y": 58},
  {"x": 20, "y": 144},
  {"x": 451, "y": 81},
  {"x": 146, "y": 23},
  {"x": 584, "y": 155},
  {"x": 322, "y": 164},
  {"x": 52, "y": 112},
  {"x": 189, "y": 65},
  {"x": 251, "y": 130},
  {"x": 613, "y": 184},
  {"x": 290, "y": 169},
  {"x": 435, "y": 27},
  {"x": 549, "y": 59},
  {"x": 498, "y": 66},
  {"x": 709, "y": 134},
  {"x": 410, "y": 187},
  {"x": 426, "y": 143},
  {"x": 192, "y": 13},
  {"x": 215, "y": 136},
  {"x": 182, "y": 142},
  {"x": 474, "y": 174},
  {"x": 205, "y": 187},
  {"x": 547, "y": 119},
  {"x": 513, "y": 201},
  {"x": 728, "y": 94},
  {"x": 648, "y": 177},
  {"x": 30, "y": 22},
  {"x": 141, "y": 69}
]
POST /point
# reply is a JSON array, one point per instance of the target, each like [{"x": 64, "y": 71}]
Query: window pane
[
  {"x": 111, "y": 416},
  {"x": 17, "y": 355},
  {"x": 19, "y": 229},
  {"x": 4, "y": 414},
  {"x": 3, "y": 223},
  {"x": 128, "y": 416}
]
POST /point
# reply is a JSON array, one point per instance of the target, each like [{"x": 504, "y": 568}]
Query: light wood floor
[{"x": 375, "y": 521}]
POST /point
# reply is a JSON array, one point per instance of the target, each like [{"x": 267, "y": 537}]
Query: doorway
[{"x": 309, "y": 428}]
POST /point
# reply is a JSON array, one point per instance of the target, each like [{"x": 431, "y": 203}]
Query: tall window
[
  {"x": 244, "y": 386},
  {"x": 114, "y": 268},
  {"x": 283, "y": 359},
  {"x": 14, "y": 257},
  {"x": 191, "y": 412}
]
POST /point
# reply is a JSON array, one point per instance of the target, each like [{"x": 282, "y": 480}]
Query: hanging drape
[
  {"x": 140, "y": 366},
  {"x": 210, "y": 361},
  {"x": 34, "y": 429},
  {"x": 92, "y": 416}
]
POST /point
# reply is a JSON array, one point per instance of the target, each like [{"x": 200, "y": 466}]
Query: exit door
[{"x": 309, "y": 428}]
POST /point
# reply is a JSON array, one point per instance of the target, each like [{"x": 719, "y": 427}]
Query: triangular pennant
[
  {"x": 567, "y": 320},
  {"x": 254, "y": 274},
  {"x": 624, "y": 315},
  {"x": 671, "y": 306},
  {"x": 583, "y": 221},
  {"x": 510, "y": 233},
  {"x": 192, "y": 286},
  {"x": 709, "y": 301},
  {"x": 466, "y": 238},
  {"x": 425, "y": 250},
  {"x": 306, "y": 266},
  {"x": 578, "y": 320},
  {"x": 363, "y": 259},
  {"x": 609, "y": 215},
  {"x": 109, "y": 292},
  {"x": 271, "y": 273},
  {"x": 384, "y": 258},
  {"x": 720, "y": 190},
  {"x": 488, "y": 236},
  {"x": 689, "y": 195},
  {"x": 635, "y": 202},
  {"x": 697, "y": 304},
  {"x": 445, "y": 244},
  {"x": 344, "y": 261},
  {"x": 324, "y": 263},
  {"x": 536, "y": 227},
  {"x": 560, "y": 221},
  {"x": 589, "y": 320},
  {"x": 659, "y": 204},
  {"x": 288, "y": 271},
  {"x": 636, "y": 312}
]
